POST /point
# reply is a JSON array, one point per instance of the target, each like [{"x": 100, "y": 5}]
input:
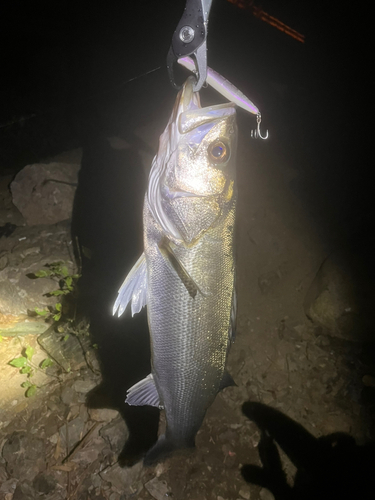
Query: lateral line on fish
[
  {"x": 182, "y": 273},
  {"x": 223, "y": 86}
]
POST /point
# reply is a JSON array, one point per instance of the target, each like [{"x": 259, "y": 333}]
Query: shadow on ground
[
  {"x": 333, "y": 466},
  {"x": 107, "y": 229}
]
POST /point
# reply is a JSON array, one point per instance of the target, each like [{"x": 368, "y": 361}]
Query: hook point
[{"x": 257, "y": 133}]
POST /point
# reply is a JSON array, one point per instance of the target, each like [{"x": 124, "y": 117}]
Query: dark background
[
  {"x": 66, "y": 66},
  {"x": 68, "y": 61}
]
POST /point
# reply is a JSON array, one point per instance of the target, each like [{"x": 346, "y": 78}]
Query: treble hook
[{"x": 256, "y": 133}]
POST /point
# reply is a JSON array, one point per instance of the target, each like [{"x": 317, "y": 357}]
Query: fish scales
[
  {"x": 190, "y": 335},
  {"x": 186, "y": 274}
]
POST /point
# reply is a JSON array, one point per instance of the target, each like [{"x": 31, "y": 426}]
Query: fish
[{"x": 186, "y": 274}]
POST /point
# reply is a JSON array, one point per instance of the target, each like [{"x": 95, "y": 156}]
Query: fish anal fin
[
  {"x": 143, "y": 393},
  {"x": 226, "y": 381}
]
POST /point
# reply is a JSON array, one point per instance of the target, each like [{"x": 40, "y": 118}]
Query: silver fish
[{"x": 186, "y": 274}]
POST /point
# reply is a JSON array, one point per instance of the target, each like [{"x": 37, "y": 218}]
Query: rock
[
  {"x": 158, "y": 489},
  {"x": 74, "y": 412},
  {"x": 341, "y": 297},
  {"x": 89, "y": 453},
  {"x": 44, "y": 483},
  {"x": 72, "y": 432},
  {"x": 84, "y": 386},
  {"x": 21, "y": 325},
  {"x": 54, "y": 438},
  {"x": 24, "y": 491},
  {"x": 96, "y": 480},
  {"x": 68, "y": 396},
  {"x": 4, "y": 259},
  {"x": 8, "y": 487},
  {"x": 55, "y": 405},
  {"x": 266, "y": 495},
  {"x": 115, "y": 434},
  {"x": 3, "y": 474},
  {"x": 245, "y": 492},
  {"x": 126, "y": 481},
  {"x": 24, "y": 455},
  {"x": 83, "y": 413},
  {"x": 114, "y": 496},
  {"x": 103, "y": 415},
  {"x": 44, "y": 193}
]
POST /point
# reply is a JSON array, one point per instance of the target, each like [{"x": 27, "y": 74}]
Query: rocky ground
[{"x": 68, "y": 440}]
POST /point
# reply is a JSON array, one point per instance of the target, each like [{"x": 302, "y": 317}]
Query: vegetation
[
  {"x": 62, "y": 315},
  {"x": 28, "y": 368}
]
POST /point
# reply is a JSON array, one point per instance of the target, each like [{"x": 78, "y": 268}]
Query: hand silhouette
[{"x": 328, "y": 468}]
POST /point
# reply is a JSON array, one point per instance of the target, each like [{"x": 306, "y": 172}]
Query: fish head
[{"x": 192, "y": 180}]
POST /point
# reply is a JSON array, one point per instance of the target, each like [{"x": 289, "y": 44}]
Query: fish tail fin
[{"x": 163, "y": 448}]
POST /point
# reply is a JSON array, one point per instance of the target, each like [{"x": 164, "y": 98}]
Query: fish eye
[{"x": 218, "y": 152}]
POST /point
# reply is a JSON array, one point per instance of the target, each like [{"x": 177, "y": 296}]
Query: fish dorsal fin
[
  {"x": 143, "y": 393},
  {"x": 226, "y": 381},
  {"x": 134, "y": 289}
]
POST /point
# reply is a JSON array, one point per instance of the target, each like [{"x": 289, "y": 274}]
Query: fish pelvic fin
[
  {"x": 133, "y": 289},
  {"x": 163, "y": 448},
  {"x": 143, "y": 393}
]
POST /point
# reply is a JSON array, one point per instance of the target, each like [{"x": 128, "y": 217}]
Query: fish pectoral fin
[
  {"x": 134, "y": 289},
  {"x": 226, "y": 381},
  {"x": 179, "y": 268},
  {"x": 143, "y": 393}
]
